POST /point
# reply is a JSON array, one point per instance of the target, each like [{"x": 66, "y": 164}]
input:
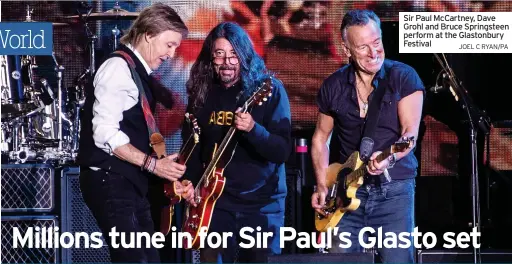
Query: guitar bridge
[
  {"x": 327, "y": 211},
  {"x": 330, "y": 210},
  {"x": 192, "y": 226}
]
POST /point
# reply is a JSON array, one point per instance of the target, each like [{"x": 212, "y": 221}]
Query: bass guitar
[
  {"x": 343, "y": 181},
  {"x": 170, "y": 192},
  {"x": 212, "y": 182}
]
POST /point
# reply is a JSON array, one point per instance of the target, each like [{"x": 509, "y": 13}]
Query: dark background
[{"x": 304, "y": 57}]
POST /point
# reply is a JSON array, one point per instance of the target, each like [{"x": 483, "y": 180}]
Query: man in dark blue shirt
[
  {"x": 343, "y": 99},
  {"x": 226, "y": 73}
]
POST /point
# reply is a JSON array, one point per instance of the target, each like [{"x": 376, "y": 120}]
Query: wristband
[
  {"x": 143, "y": 166},
  {"x": 152, "y": 165},
  {"x": 392, "y": 160}
]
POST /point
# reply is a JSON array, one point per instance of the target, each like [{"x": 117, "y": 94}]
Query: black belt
[{"x": 375, "y": 179}]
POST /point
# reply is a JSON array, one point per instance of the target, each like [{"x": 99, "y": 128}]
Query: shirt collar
[
  {"x": 139, "y": 56},
  {"x": 381, "y": 74}
]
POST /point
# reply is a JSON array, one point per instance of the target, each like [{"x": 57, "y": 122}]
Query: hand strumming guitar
[
  {"x": 318, "y": 198},
  {"x": 185, "y": 188}
]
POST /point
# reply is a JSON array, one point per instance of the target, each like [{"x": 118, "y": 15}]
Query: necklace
[
  {"x": 365, "y": 104},
  {"x": 365, "y": 107}
]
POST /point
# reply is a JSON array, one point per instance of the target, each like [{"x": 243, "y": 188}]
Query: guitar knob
[
  {"x": 265, "y": 99},
  {"x": 195, "y": 216},
  {"x": 269, "y": 94},
  {"x": 260, "y": 103}
]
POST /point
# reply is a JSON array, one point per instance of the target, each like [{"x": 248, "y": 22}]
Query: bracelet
[
  {"x": 149, "y": 164},
  {"x": 152, "y": 165},
  {"x": 143, "y": 166},
  {"x": 392, "y": 160}
]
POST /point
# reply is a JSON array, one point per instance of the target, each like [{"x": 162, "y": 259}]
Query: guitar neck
[
  {"x": 385, "y": 154},
  {"x": 187, "y": 149},
  {"x": 218, "y": 153}
]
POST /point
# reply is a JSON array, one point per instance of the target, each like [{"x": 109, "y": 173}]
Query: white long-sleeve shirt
[{"x": 115, "y": 92}]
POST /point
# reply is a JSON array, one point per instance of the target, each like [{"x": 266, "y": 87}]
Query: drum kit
[{"x": 41, "y": 123}]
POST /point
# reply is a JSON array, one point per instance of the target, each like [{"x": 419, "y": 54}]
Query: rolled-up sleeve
[{"x": 115, "y": 91}]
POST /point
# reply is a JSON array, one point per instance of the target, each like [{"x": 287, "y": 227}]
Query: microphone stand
[
  {"x": 90, "y": 35},
  {"x": 476, "y": 119}
]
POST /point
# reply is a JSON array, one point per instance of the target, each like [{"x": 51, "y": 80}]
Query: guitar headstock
[
  {"x": 196, "y": 130},
  {"x": 402, "y": 145},
  {"x": 261, "y": 95}
]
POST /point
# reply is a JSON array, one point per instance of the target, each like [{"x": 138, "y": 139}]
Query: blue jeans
[
  {"x": 389, "y": 206},
  {"x": 226, "y": 221}
]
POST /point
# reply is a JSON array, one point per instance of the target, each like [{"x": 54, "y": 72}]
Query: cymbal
[
  {"x": 10, "y": 111},
  {"x": 112, "y": 14},
  {"x": 55, "y": 24},
  {"x": 58, "y": 24}
]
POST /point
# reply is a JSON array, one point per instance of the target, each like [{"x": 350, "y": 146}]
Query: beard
[{"x": 227, "y": 78}]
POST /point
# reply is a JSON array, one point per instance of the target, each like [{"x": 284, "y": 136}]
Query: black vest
[{"x": 133, "y": 125}]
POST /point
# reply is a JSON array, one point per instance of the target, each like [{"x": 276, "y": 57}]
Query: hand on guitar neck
[
  {"x": 243, "y": 121},
  {"x": 375, "y": 167},
  {"x": 168, "y": 168},
  {"x": 380, "y": 161}
]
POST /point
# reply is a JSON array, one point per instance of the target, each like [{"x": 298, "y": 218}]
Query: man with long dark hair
[
  {"x": 387, "y": 195},
  {"x": 227, "y": 72},
  {"x": 115, "y": 153}
]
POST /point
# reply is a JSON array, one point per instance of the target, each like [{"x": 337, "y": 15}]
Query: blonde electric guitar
[{"x": 343, "y": 181}]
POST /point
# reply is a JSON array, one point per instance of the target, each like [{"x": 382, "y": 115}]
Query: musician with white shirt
[{"x": 115, "y": 153}]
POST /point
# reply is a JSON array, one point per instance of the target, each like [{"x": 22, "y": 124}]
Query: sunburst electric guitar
[
  {"x": 171, "y": 195},
  {"x": 212, "y": 182},
  {"x": 343, "y": 181}
]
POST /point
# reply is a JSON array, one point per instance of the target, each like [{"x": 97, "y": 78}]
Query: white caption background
[{"x": 455, "y": 32}]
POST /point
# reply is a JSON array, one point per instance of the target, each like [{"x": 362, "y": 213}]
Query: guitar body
[
  {"x": 200, "y": 216},
  {"x": 347, "y": 179},
  {"x": 343, "y": 181},
  {"x": 167, "y": 210}
]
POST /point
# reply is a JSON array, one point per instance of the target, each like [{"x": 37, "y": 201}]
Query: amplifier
[
  {"x": 195, "y": 256},
  {"x": 26, "y": 253},
  {"x": 323, "y": 258},
  {"x": 76, "y": 217},
  {"x": 463, "y": 256},
  {"x": 27, "y": 188}
]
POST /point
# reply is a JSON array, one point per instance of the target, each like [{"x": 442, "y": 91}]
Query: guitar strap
[
  {"x": 155, "y": 138},
  {"x": 372, "y": 118}
]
